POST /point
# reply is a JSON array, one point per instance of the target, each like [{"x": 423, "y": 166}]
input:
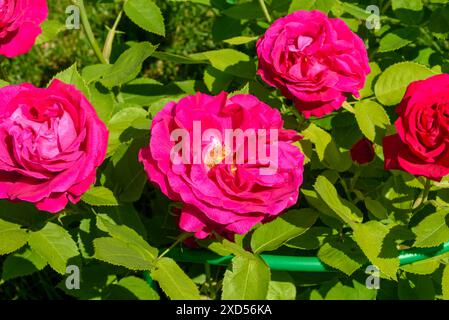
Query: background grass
[{"x": 188, "y": 31}]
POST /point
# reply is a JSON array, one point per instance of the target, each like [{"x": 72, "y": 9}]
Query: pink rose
[
  {"x": 51, "y": 142},
  {"x": 19, "y": 25},
  {"x": 314, "y": 60},
  {"x": 227, "y": 189},
  {"x": 421, "y": 146}
]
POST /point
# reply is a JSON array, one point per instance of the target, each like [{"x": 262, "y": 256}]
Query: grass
[{"x": 188, "y": 30}]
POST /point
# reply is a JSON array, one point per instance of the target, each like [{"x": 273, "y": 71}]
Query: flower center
[{"x": 215, "y": 153}]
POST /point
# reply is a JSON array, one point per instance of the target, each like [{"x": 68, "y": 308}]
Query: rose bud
[{"x": 363, "y": 151}]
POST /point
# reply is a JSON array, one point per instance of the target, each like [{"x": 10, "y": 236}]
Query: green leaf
[
  {"x": 281, "y": 287},
  {"x": 23, "y": 213},
  {"x": 327, "y": 192},
  {"x": 123, "y": 253},
  {"x": 355, "y": 11},
  {"x": 130, "y": 288},
  {"x": 380, "y": 250},
  {"x": 54, "y": 244},
  {"x": 311, "y": 239},
  {"x": 397, "y": 39},
  {"x": 248, "y": 10},
  {"x": 272, "y": 235},
  {"x": 368, "y": 90},
  {"x": 371, "y": 118},
  {"x": 216, "y": 80},
  {"x": 128, "y": 235},
  {"x": 167, "y": 56},
  {"x": 376, "y": 208},
  {"x": 12, "y": 237},
  {"x": 50, "y": 29},
  {"x": 124, "y": 173},
  {"x": 355, "y": 292},
  {"x": 94, "y": 72},
  {"x": 128, "y": 65},
  {"x": 396, "y": 195},
  {"x": 99, "y": 196},
  {"x": 145, "y": 91},
  {"x": 21, "y": 264},
  {"x": 102, "y": 100},
  {"x": 121, "y": 122},
  {"x": 230, "y": 61},
  {"x": 415, "y": 287},
  {"x": 433, "y": 230},
  {"x": 204, "y": 2},
  {"x": 409, "y": 11},
  {"x": 424, "y": 267},
  {"x": 72, "y": 76},
  {"x": 445, "y": 282},
  {"x": 247, "y": 279},
  {"x": 301, "y": 5},
  {"x": 439, "y": 21},
  {"x": 124, "y": 214},
  {"x": 173, "y": 281},
  {"x": 146, "y": 14},
  {"x": 393, "y": 82},
  {"x": 344, "y": 256},
  {"x": 240, "y": 40},
  {"x": 326, "y": 148}
]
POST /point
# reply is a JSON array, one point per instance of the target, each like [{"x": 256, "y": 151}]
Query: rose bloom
[
  {"x": 227, "y": 197},
  {"x": 421, "y": 145},
  {"x": 19, "y": 25},
  {"x": 362, "y": 152},
  {"x": 314, "y": 60},
  {"x": 51, "y": 142}
]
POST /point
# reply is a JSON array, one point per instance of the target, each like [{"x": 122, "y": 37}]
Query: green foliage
[
  {"x": 348, "y": 216},
  {"x": 100, "y": 196},
  {"x": 128, "y": 65},
  {"x": 432, "y": 230},
  {"x": 392, "y": 83},
  {"x": 146, "y": 14},
  {"x": 371, "y": 118},
  {"x": 173, "y": 281},
  {"x": 12, "y": 237},
  {"x": 55, "y": 245},
  {"x": 272, "y": 235},
  {"x": 375, "y": 242},
  {"x": 247, "y": 279}
]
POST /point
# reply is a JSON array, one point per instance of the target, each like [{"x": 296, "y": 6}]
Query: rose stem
[
  {"x": 265, "y": 10},
  {"x": 88, "y": 30},
  {"x": 181, "y": 238}
]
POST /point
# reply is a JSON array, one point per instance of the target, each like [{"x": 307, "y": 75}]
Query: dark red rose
[{"x": 363, "y": 151}]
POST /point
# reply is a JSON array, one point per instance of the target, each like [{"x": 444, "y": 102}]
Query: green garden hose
[{"x": 293, "y": 263}]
